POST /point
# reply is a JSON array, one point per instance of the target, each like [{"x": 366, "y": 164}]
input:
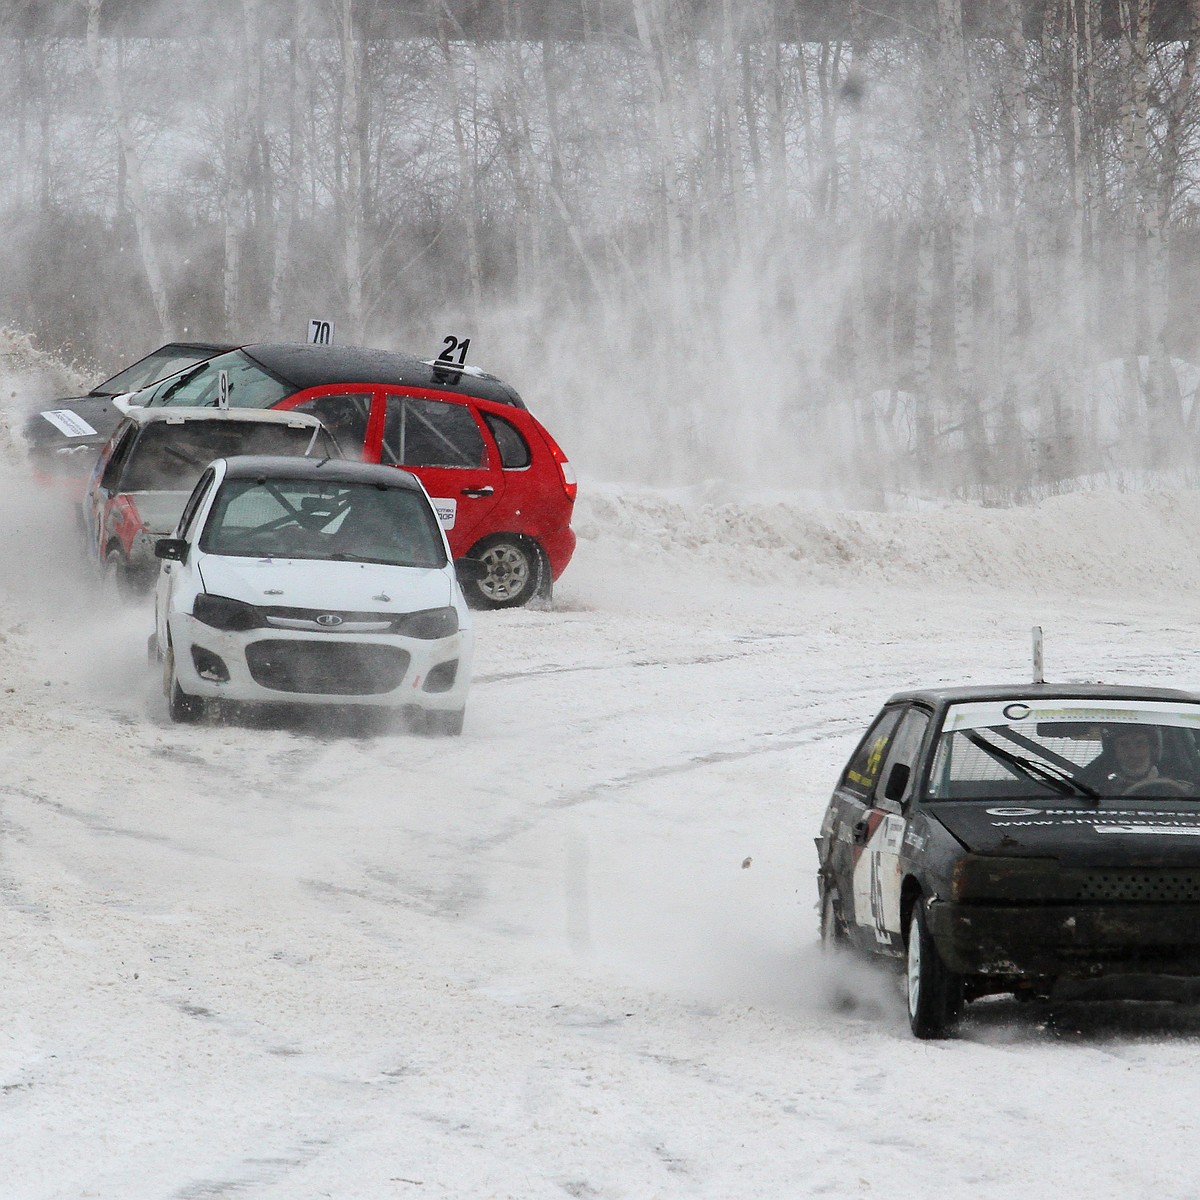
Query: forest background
[{"x": 917, "y": 249}]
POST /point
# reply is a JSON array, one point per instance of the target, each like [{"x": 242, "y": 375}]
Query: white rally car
[{"x": 305, "y": 581}]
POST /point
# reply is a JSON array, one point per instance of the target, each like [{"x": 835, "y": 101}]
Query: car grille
[
  {"x": 309, "y": 619},
  {"x": 1147, "y": 887},
  {"x": 326, "y": 668}
]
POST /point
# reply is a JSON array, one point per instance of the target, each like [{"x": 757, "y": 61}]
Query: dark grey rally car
[
  {"x": 64, "y": 440},
  {"x": 1039, "y": 839}
]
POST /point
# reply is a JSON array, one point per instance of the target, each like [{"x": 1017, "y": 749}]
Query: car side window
[
  {"x": 430, "y": 433},
  {"x": 514, "y": 449},
  {"x": 903, "y": 751},
  {"x": 118, "y": 458},
  {"x": 192, "y": 506},
  {"x": 345, "y": 417},
  {"x": 863, "y": 772}
]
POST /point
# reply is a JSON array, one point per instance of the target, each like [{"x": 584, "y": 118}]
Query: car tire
[
  {"x": 182, "y": 708},
  {"x": 444, "y": 723},
  {"x": 935, "y": 993},
  {"x": 121, "y": 582},
  {"x": 833, "y": 930},
  {"x": 516, "y": 571}
]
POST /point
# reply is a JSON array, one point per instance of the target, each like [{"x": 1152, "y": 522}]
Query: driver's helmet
[{"x": 1111, "y": 734}]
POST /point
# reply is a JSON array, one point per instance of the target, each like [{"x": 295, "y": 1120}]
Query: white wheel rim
[
  {"x": 914, "y": 969},
  {"x": 508, "y": 572}
]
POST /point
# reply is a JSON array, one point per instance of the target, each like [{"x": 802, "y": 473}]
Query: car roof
[
  {"x": 336, "y": 470},
  {"x": 305, "y": 366},
  {"x": 938, "y": 696},
  {"x": 258, "y": 416}
]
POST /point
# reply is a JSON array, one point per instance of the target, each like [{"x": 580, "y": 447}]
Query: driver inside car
[{"x": 1129, "y": 762}]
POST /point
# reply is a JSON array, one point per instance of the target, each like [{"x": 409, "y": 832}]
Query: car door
[
  {"x": 877, "y": 871},
  {"x": 169, "y": 574},
  {"x": 444, "y": 444},
  {"x": 103, "y": 488}
]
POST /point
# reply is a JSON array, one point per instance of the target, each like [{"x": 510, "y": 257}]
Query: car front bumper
[
  {"x": 285, "y": 666},
  {"x": 1081, "y": 941}
]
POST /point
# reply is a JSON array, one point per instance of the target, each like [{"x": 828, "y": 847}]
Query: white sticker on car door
[{"x": 447, "y": 511}]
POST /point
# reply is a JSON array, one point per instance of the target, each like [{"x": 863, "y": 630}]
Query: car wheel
[
  {"x": 181, "y": 708},
  {"x": 833, "y": 931},
  {"x": 121, "y": 582},
  {"x": 439, "y": 723},
  {"x": 935, "y": 994},
  {"x": 515, "y": 568}
]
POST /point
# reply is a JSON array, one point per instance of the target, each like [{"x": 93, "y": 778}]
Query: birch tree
[{"x": 134, "y": 179}]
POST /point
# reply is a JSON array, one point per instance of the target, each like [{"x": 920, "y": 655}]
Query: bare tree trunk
[
  {"x": 237, "y": 192},
  {"x": 290, "y": 192},
  {"x": 133, "y": 170},
  {"x": 953, "y": 71},
  {"x": 353, "y": 117},
  {"x": 468, "y": 181},
  {"x": 652, "y": 36}
]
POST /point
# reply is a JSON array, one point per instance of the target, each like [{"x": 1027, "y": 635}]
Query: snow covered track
[{"x": 286, "y": 962}]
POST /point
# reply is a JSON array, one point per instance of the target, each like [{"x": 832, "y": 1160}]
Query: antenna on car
[{"x": 1039, "y": 671}]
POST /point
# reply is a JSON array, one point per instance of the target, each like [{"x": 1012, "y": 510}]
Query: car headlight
[
  {"x": 428, "y": 625},
  {"x": 984, "y": 877},
  {"x": 223, "y": 613}
]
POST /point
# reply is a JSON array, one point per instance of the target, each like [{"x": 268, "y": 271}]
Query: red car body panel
[{"x": 535, "y": 501}]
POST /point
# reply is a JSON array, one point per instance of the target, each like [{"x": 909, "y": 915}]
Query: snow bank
[{"x": 1083, "y": 542}]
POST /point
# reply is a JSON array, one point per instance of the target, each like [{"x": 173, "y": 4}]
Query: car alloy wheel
[
  {"x": 935, "y": 994},
  {"x": 514, "y": 572}
]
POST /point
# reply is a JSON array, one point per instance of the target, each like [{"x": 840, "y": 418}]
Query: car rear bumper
[
  {"x": 1081, "y": 941},
  {"x": 274, "y": 666},
  {"x": 559, "y": 546}
]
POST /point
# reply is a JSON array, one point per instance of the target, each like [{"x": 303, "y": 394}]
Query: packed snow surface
[{"x": 573, "y": 952}]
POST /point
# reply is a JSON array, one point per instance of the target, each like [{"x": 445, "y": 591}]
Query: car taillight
[{"x": 565, "y": 470}]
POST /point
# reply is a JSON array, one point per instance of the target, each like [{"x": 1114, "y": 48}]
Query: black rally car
[
  {"x": 64, "y": 440},
  {"x": 1038, "y": 839}
]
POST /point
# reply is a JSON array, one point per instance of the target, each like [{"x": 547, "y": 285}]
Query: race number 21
[{"x": 452, "y": 347}]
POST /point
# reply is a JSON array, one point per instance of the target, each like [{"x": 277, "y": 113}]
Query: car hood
[
  {"x": 1120, "y": 832},
  {"x": 159, "y": 511},
  {"x": 335, "y": 586},
  {"x": 74, "y": 421}
]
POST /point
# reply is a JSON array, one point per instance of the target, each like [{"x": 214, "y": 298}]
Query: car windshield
[
  {"x": 1007, "y": 749},
  {"x": 302, "y": 518},
  {"x": 251, "y": 385},
  {"x": 166, "y": 360},
  {"x": 169, "y": 455}
]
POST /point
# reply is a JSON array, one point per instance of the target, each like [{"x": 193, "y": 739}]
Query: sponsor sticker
[
  {"x": 447, "y": 511},
  {"x": 1152, "y": 830},
  {"x": 67, "y": 422},
  {"x": 1012, "y": 812}
]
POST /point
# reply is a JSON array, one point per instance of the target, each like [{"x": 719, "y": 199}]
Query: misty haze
[{"x": 870, "y": 331}]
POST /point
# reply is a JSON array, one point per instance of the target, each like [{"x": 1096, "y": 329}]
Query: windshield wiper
[
  {"x": 186, "y": 377},
  {"x": 1064, "y": 783}
]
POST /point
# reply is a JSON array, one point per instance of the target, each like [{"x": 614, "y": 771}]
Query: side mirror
[
  {"x": 176, "y": 549},
  {"x": 470, "y": 570},
  {"x": 897, "y": 782}
]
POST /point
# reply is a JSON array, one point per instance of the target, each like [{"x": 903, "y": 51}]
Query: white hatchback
[{"x": 297, "y": 581}]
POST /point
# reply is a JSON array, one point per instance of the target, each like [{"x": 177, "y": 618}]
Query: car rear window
[
  {"x": 514, "y": 449},
  {"x": 170, "y": 457}
]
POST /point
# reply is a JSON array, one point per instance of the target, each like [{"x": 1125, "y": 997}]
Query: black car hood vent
[{"x": 1118, "y": 833}]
